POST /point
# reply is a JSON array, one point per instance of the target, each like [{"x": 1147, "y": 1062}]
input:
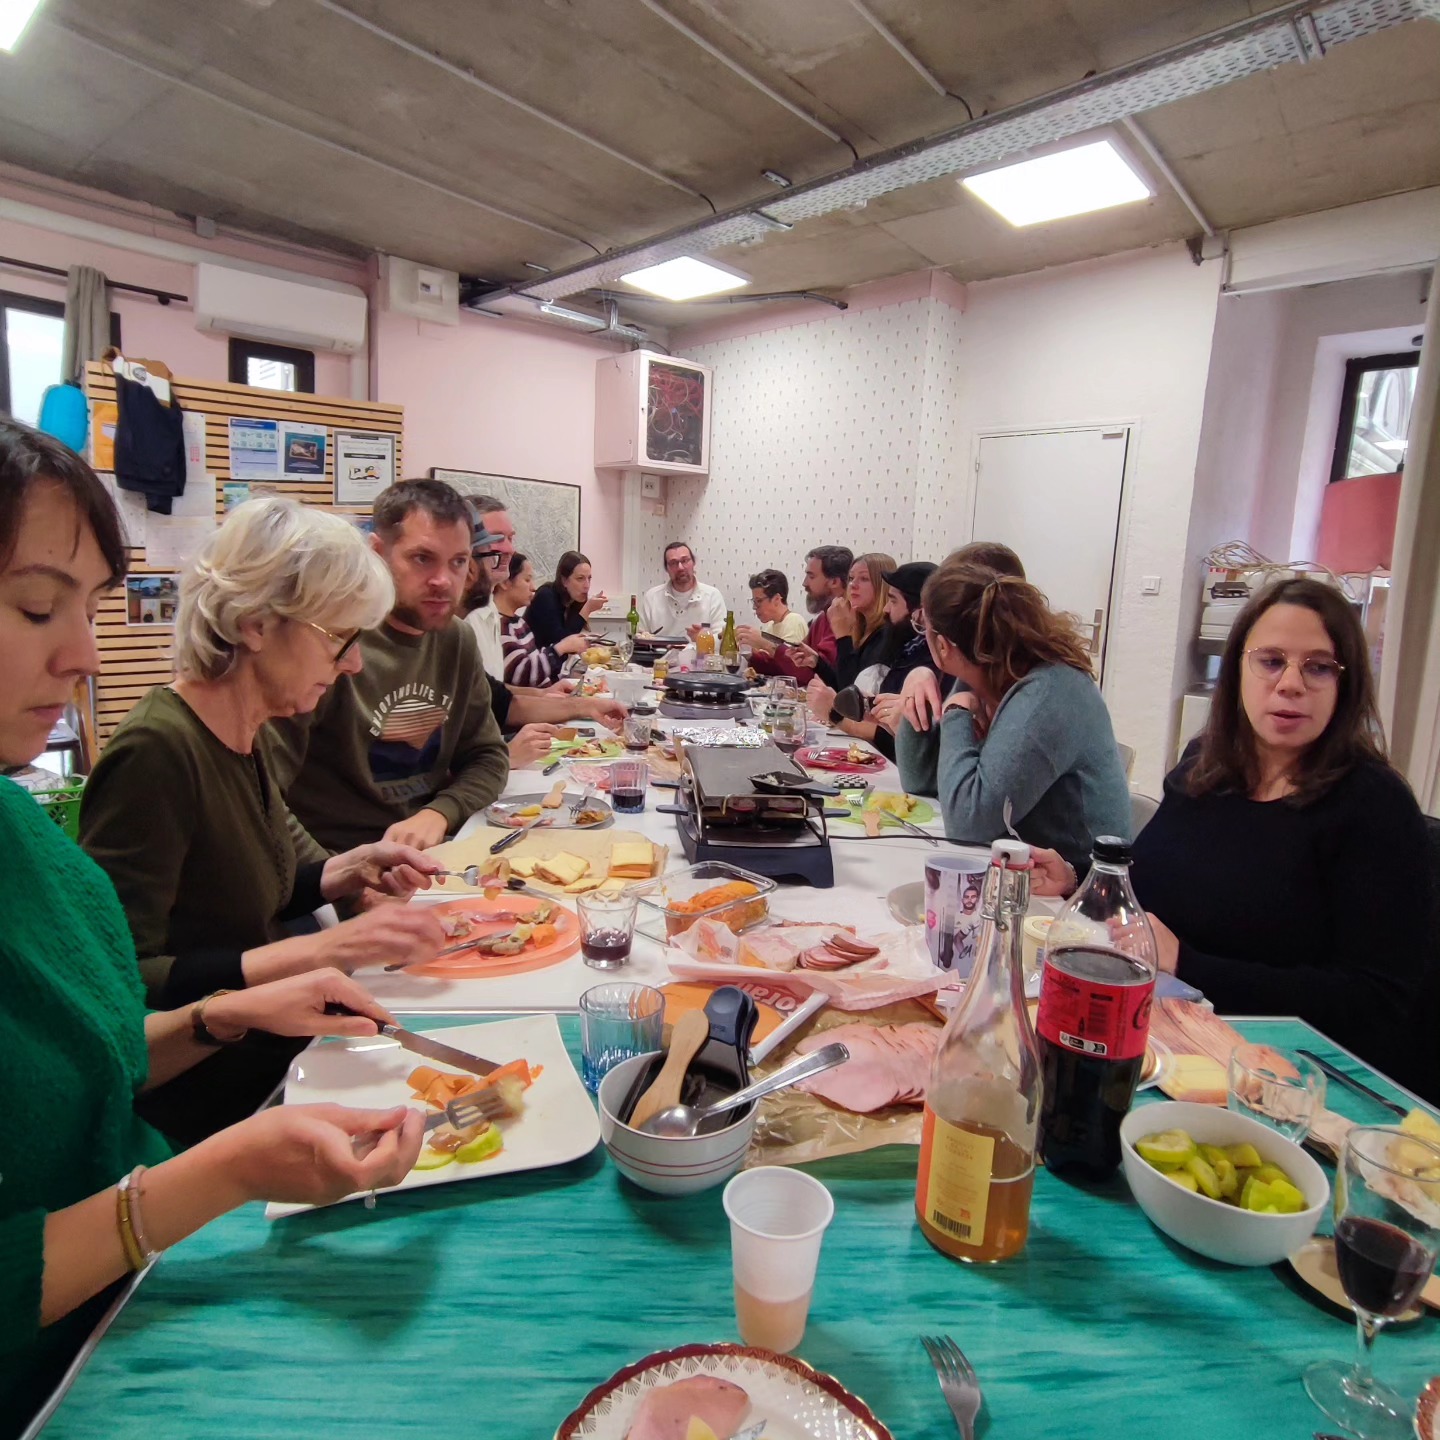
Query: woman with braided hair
[{"x": 1029, "y": 725}]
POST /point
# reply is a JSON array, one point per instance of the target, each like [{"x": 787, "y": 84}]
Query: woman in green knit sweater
[
  {"x": 270, "y": 608},
  {"x": 79, "y": 1045}
]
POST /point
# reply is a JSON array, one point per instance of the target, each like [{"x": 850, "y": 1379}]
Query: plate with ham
[{"x": 721, "y": 1392}]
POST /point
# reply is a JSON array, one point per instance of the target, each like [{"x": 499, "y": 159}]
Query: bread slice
[{"x": 562, "y": 869}]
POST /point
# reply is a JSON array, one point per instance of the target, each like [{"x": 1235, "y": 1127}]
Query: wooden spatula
[{"x": 690, "y": 1032}]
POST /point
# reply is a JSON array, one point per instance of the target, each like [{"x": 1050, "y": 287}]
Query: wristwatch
[{"x": 203, "y": 1034}]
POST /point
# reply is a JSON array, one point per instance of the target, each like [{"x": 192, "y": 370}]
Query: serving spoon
[{"x": 679, "y": 1122}]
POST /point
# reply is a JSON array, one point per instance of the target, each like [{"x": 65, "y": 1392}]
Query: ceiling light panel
[
  {"x": 15, "y": 15},
  {"x": 686, "y": 278},
  {"x": 1076, "y": 181}
]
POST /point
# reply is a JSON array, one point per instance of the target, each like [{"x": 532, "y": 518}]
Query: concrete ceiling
[{"x": 293, "y": 119}]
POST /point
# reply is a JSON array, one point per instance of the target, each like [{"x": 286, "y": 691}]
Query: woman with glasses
[
  {"x": 1285, "y": 870},
  {"x": 183, "y": 813}
]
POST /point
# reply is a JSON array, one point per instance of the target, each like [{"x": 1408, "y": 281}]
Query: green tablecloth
[{"x": 488, "y": 1309}]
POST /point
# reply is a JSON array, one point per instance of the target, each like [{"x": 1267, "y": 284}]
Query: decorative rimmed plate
[
  {"x": 795, "y": 1400},
  {"x": 1427, "y": 1412},
  {"x": 837, "y": 758}
]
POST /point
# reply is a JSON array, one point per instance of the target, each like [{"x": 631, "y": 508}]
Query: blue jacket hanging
[{"x": 149, "y": 444}]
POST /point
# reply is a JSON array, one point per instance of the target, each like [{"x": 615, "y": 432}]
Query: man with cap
[
  {"x": 491, "y": 546},
  {"x": 877, "y": 690}
]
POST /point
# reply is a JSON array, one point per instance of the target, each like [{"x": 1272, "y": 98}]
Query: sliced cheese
[
  {"x": 562, "y": 869},
  {"x": 613, "y": 885},
  {"x": 524, "y": 867},
  {"x": 582, "y": 887},
  {"x": 1195, "y": 1077},
  {"x": 632, "y": 859}
]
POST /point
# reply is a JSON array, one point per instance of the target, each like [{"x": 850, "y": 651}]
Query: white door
[{"x": 1053, "y": 496}]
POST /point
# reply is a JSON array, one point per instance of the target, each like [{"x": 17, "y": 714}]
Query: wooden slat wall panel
[{"x": 135, "y": 658}]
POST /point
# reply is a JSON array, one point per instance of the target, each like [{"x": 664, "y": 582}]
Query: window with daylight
[
  {"x": 32, "y": 335},
  {"x": 272, "y": 367},
  {"x": 1375, "y": 410}
]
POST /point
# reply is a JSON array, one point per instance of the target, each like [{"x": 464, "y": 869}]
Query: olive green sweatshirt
[
  {"x": 413, "y": 730},
  {"x": 197, "y": 841}
]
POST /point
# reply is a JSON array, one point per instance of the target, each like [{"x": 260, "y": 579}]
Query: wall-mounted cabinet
[{"x": 652, "y": 413}]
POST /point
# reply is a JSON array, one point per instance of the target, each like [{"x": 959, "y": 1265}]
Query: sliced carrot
[
  {"x": 516, "y": 1069},
  {"x": 544, "y": 934},
  {"x": 422, "y": 1077}
]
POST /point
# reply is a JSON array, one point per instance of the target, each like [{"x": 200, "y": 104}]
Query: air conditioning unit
[{"x": 286, "y": 312}]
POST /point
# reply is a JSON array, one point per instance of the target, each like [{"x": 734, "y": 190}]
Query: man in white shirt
[
  {"x": 769, "y": 597},
  {"x": 490, "y": 552},
  {"x": 683, "y": 604}
]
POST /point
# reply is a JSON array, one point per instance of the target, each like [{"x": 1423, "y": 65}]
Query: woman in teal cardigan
[{"x": 89, "y": 1192}]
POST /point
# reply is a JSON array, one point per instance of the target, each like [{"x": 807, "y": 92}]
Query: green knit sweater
[{"x": 72, "y": 1061}]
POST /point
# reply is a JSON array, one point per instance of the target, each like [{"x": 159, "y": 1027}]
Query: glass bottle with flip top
[{"x": 977, "y": 1147}]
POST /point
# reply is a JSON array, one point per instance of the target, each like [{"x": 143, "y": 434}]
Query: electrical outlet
[
  {"x": 650, "y": 488},
  {"x": 1150, "y": 585}
]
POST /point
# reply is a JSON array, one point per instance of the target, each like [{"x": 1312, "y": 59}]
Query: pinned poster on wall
[
  {"x": 302, "y": 451},
  {"x": 364, "y": 466}
]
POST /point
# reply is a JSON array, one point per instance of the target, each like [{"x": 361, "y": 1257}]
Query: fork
[
  {"x": 957, "y": 1381},
  {"x": 468, "y": 1110},
  {"x": 578, "y": 807}
]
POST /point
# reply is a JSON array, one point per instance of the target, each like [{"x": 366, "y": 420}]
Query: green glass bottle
[
  {"x": 633, "y": 618},
  {"x": 729, "y": 645}
]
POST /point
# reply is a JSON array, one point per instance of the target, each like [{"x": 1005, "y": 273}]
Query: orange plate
[{"x": 472, "y": 965}]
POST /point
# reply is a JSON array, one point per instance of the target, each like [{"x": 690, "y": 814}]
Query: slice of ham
[
  {"x": 888, "y": 1065},
  {"x": 665, "y": 1413}
]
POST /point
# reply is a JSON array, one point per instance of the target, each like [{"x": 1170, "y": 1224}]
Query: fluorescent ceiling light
[
  {"x": 686, "y": 278},
  {"x": 14, "y": 17},
  {"x": 1069, "y": 182}
]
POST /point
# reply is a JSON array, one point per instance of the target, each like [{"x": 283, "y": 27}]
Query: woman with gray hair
[{"x": 184, "y": 815}]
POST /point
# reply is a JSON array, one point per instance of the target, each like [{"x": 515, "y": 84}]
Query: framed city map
[{"x": 546, "y": 512}]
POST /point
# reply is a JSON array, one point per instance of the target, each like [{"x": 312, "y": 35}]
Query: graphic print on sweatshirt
[{"x": 408, "y": 730}]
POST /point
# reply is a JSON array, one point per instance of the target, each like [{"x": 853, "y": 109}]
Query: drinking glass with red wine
[{"x": 1387, "y": 1240}]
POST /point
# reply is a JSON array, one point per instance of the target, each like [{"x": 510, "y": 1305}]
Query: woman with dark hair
[
  {"x": 1285, "y": 871},
  {"x": 1030, "y": 729},
  {"x": 562, "y": 606},
  {"x": 527, "y": 662},
  {"x": 80, "y": 1046}
]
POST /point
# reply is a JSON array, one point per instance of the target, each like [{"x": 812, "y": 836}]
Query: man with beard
[
  {"x": 410, "y": 746},
  {"x": 827, "y": 569}
]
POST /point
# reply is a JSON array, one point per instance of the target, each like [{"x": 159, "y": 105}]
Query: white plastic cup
[{"x": 778, "y": 1217}]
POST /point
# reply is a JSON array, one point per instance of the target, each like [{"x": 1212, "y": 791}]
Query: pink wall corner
[{"x": 507, "y": 398}]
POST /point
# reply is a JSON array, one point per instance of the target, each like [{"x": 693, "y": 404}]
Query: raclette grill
[
  {"x": 698, "y": 694},
  {"x": 724, "y": 815}
]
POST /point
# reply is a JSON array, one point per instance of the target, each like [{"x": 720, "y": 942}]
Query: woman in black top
[
  {"x": 1285, "y": 872},
  {"x": 562, "y": 606},
  {"x": 857, "y": 617}
]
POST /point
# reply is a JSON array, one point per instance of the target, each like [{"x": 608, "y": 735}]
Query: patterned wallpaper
[{"x": 822, "y": 434}]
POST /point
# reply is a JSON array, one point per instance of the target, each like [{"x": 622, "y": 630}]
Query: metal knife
[
  {"x": 506, "y": 841},
  {"x": 1359, "y": 1087},
  {"x": 424, "y": 1045},
  {"x": 434, "y": 1050}
]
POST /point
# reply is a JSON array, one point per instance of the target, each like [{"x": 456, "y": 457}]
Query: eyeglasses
[
  {"x": 1319, "y": 672},
  {"x": 918, "y": 620},
  {"x": 346, "y": 644}
]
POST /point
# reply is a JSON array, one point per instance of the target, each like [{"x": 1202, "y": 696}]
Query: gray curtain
[
  {"x": 87, "y": 320},
  {"x": 1410, "y": 666}
]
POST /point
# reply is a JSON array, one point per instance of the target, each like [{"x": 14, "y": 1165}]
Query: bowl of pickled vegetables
[{"x": 1221, "y": 1184}]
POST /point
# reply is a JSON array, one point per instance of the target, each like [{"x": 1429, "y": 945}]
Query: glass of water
[
  {"x": 616, "y": 1023},
  {"x": 1279, "y": 1088}
]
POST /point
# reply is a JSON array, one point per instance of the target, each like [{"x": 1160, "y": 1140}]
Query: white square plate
[{"x": 559, "y": 1123}]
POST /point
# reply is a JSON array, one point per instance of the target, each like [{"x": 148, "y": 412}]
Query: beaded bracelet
[{"x": 138, "y": 1253}]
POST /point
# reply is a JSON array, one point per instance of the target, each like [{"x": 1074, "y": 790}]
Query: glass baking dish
[{"x": 668, "y": 904}]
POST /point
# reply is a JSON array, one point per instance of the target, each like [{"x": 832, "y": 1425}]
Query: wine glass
[
  {"x": 622, "y": 648},
  {"x": 1387, "y": 1239}
]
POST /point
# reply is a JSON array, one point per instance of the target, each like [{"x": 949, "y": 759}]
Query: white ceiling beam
[
  {"x": 714, "y": 51},
  {"x": 1158, "y": 160},
  {"x": 333, "y": 145},
  {"x": 901, "y": 48},
  {"x": 469, "y": 77}
]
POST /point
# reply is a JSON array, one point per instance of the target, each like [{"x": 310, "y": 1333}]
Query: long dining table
[{"x": 489, "y": 1308}]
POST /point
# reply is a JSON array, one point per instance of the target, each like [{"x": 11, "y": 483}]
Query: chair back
[
  {"x": 1142, "y": 807},
  {"x": 1127, "y": 757}
]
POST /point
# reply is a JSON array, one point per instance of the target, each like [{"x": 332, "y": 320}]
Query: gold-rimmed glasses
[
  {"x": 345, "y": 642},
  {"x": 1319, "y": 672}
]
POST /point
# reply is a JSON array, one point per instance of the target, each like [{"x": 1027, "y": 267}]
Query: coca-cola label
[{"x": 1109, "y": 1022}]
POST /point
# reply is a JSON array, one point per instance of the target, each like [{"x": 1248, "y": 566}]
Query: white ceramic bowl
[
  {"x": 668, "y": 1166},
  {"x": 1223, "y": 1232}
]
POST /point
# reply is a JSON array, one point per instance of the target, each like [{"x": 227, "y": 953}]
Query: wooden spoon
[{"x": 689, "y": 1033}]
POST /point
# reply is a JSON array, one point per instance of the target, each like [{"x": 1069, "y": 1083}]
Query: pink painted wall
[
  {"x": 147, "y": 328},
  {"x": 509, "y": 398}
]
